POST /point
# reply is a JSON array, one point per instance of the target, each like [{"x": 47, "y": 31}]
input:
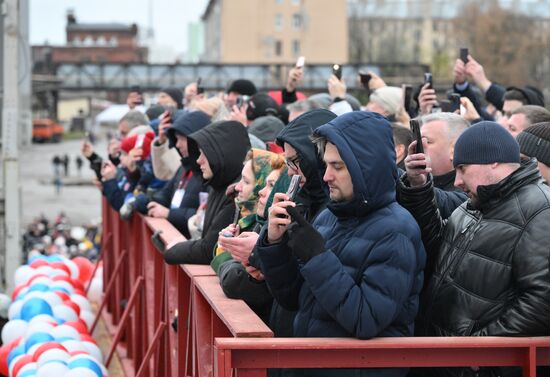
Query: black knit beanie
[
  {"x": 485, "y": 143},
  {"x": 532, "y": 94},
  {"x": 534, "y": 141},
  {"x": 243, "y": 87},
  {"x": 175, "y": 94}
]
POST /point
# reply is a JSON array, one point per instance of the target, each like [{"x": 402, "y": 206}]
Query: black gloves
[{"x": 304, "y": 241}]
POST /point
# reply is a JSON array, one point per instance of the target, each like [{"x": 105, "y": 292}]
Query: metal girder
[{"x": 151, "y": 77}]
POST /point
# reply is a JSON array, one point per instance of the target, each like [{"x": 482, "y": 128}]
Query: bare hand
[
  {"x": 427, "y": 99},
  {"x": 336, "y": 88},
  {"x": 114, "y": 147},
  {"x": 475, "y": 72},
  {"x": 459, "y": 71},
  {"x": 108, "y": 170},
  {"x": 294, "y": 77},
  {"x": 417, "y": 176},
  {"x": 240, "y": 247},
  {"x": 471, "y": 112},
  {"x": 375, "y": 81},
  {"x": 277, "y": 226},
  {"x": 157, "y": 210},
  {"x": 87, "y": 149},
  {"x": 255, "y": 273},
  {"x": 239, "y": 114}
]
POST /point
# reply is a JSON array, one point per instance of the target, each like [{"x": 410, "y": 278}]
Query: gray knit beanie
[
  {"x": 486, "y": 143},
  {"x": 534, "y": 141}
]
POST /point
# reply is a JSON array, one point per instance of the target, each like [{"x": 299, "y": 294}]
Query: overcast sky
[{"x": 170, "y": 18}]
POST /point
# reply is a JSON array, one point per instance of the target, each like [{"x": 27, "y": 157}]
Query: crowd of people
[{"x": 382, "y": 237}]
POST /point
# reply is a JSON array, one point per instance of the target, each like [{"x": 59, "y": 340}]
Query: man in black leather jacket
[{"x": 488, "y": 264}]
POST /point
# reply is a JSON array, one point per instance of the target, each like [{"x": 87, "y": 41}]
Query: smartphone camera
[
  {"x": 464, "y": 55},
  {"x": 364, "y": 78},
  {"x": 428, "y": 79},
  {"x": 417, "y": 135},
  {"x": 337, "y": 71}
]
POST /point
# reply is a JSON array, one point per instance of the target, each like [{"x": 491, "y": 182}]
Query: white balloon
[
  {"x": 32, "y": 294},
  {"x": 85, "y": 356},
  {"x": 73, "y": 345},
  {"x": 15, "y": 309},
  {"x": 52, "y": 369},
  {"x": 65, "y": 331},
  {"x": 52, "y": 299},
  {"x": 38, "y": 327},
  {"x": 80, "y": 372},
  {"x": 44, "y": 270},
  {"x": 81, "y": 301},
  {"x": 88, "y": 317},
  {"x": 43, "y": 318},
  {"x": 23, "y": 274},
  {"x": 26, "y": 367},
  {"x": 99, "y": 272},
  {"x": 63, "y": 284},
  {"x": 94, "y": 294},
  {"x": 94, "y": 351},
  {"x": 65, "y": 313},
  {"x": 57, "y": 272},
  {"x": 14, "y": 329},
  {"x": 22, "y": 292},
  {"x": 53, "y": 354},
  {"x": 73, "y": 268},
  {"x": 42, "y": 280}
]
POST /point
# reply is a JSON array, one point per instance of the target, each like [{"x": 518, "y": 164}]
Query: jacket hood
[
  {"x": 225, "y": 145},
  {"x": 185, "y": 124},
  {"x": 298, "y": 134},
  {"x": 365, "y": 143}
]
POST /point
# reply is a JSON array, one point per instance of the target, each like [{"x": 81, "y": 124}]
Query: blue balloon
[
  {"x": 28, "y": 373},
  {"x": 36, "y": 257},
  {"x": 86, "y": 363},
  {"x": 38, "y": 338},
  {"x": 17, "y": 351},
  {"x": 34, "y": 307},
  {"x": 54, "y": 258},
  {"x": 39, "y": 288}
]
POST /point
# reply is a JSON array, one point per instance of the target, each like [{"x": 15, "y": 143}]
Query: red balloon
[
  {"x": 20, "y": 364},
  {"x": 39, "y": 263},
  {"x": 36, "y": 277},
  {"x": 85, "y": 268},
  {"x": 63, "y": 295},
  {"x": 61, "y": 266},
  {"x": 17, "y": 290},
  {"x": 73, "y": 305},
  {"x": 4, "y": 352},
  {"x": 45, "y": 347},
  {"x": 80, "y": 292},
  {"x": 80, "y": 326},
  {"x": 62, "y": 278},
  {"x": 77, "y": 284}
]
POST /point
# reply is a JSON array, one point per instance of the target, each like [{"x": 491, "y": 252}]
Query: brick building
[{"x": 92, "y": 43}]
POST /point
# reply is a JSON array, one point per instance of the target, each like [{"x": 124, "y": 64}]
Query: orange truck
[{"x": 46, "y": 130}]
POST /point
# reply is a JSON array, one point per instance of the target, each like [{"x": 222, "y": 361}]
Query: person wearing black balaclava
[{"x": 219, "y": 149}]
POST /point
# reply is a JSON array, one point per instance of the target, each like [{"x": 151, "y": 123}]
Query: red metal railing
[{"x": 145, "y": 299}]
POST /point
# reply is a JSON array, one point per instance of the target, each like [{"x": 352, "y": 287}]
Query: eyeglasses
[{"x": 293, "y": 163}]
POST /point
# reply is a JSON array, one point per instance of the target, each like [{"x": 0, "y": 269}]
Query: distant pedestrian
[
  {"x": 65, "y": 162},
  {"x": 57, "y": 162},
  {"x": 78, "y": 163}
]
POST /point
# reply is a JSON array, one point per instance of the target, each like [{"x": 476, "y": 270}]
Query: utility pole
[{"x": 10, "y": 142}]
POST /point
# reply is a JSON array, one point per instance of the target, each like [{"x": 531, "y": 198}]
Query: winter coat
[
  {"x": 489, "y": 273},
  {"x": 225, "y": 145},
  {"x": 366, "y": 282}
]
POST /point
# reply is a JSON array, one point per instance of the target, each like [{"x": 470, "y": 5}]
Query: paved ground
[{"x": 81, "y": 203}]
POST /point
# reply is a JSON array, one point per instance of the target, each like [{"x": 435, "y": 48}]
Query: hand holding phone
[
  {"x": 300, "y": 62},
  {"x": 417, "y": 135},
  {"x": 464, "y": 54},
  {"x": 428, "y": 79},
  {"x": 365, "y": 78},
  {"x": 293, "y": 188}
]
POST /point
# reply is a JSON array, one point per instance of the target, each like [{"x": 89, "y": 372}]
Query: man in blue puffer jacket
[{"x": 358, "y": 270}]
